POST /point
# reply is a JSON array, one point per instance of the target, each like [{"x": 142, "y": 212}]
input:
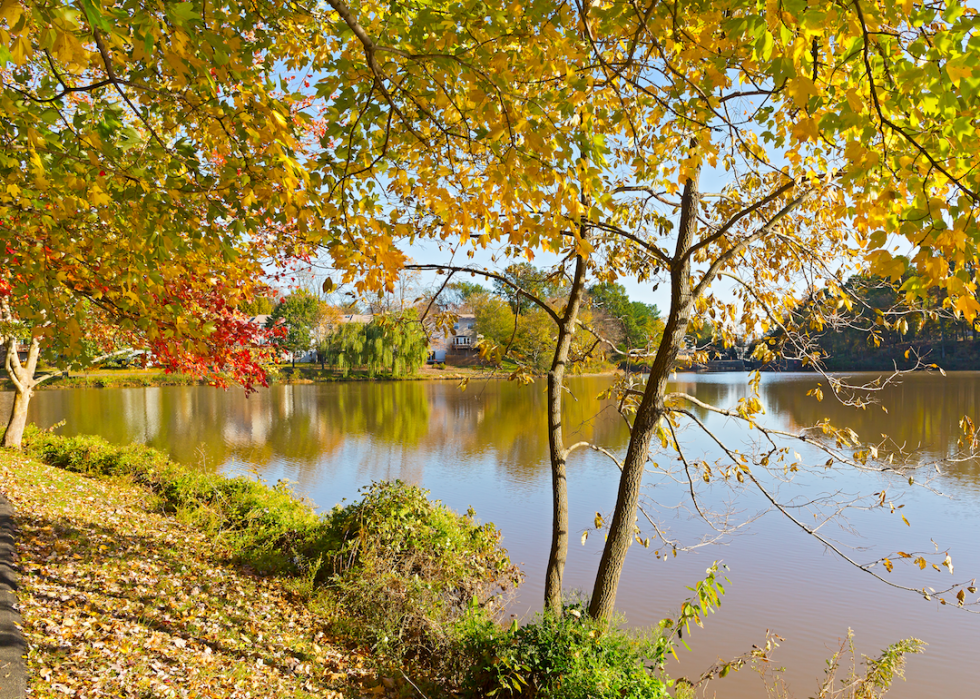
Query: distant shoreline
[{"x": 311, "y": 374}]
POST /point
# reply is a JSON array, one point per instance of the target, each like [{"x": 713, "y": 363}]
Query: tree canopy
[
  {"x": 641, "y": 323},
  {"x": 155, "y": 156},
  {"x": 778, "y": 147},
  {"x": 299, "y": 314}
]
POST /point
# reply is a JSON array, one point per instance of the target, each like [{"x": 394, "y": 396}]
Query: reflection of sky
[{"x": 486, "y": 447}]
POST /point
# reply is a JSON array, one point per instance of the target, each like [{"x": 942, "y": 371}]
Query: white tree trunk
[{"x": 22, "y": 376}]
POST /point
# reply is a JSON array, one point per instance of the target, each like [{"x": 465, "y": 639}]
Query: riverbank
[
  {"x": 140, "y": 577},
  {"x": 302, "y": 374},
  {"x": 284, "y": 374},
  {"x": 118, "y": 599}
]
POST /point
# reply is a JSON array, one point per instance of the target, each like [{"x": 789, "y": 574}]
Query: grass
[{"x": 120, "y": 600}]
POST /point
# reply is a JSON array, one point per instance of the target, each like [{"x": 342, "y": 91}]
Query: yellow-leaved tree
[{"x": 780, "y": 146}]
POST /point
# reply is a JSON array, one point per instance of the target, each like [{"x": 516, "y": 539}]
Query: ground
[{"x": 120, "y": 600}]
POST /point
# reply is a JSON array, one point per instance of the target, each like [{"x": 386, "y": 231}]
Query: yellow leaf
[
  {"x": 958, "y": 72},
  {"x": 801, "y": 89},
  {"x": 20, "y": 50},
  {"x": 10, "y": 11},
  {"x": 96, "y": 196},
  {"x": 968, "y": 306},
  {"x": 806, "y": 129}
]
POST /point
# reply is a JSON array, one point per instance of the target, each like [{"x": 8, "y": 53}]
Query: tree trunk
[
  {"x": 648, "y": 415},
  {"x": 553, "y": 585},
  {"x": 22, "y": 376},
  {"x": 556, "y": 444},
  {"x": 18, "y": 420}
]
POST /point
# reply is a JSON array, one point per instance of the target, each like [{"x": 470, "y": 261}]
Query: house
[
  {"x": 462, "y": 342},
  {"x": 261, "y": 320},
  {"x": 362, "y": 318}
]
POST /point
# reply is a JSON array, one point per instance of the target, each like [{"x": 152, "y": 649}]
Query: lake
[{"x": 486, "y": 447}]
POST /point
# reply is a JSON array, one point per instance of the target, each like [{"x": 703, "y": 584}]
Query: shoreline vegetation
[
  {"x": 956, "y": 359},
  {"x": 140, "y": 576},
  {"x": 954, "y": 356}
]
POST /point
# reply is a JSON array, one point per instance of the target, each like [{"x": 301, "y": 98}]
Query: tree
[
  {"x": 466, "y": 290},
  {"x": 301, "y": 314},
  {"x": 151, "y": 168},
  {"x": 495, "y": 322},
  {"x": 192, "y": 329},
  {"x": 641, "y": 324},
  {"x": 258, "y": 306},
  {"x": 523, "y": 281},
  {"x": 586, "y": 131},
  {"x": 395, "y": 344}
]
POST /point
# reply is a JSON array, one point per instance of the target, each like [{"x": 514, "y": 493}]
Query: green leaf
[{"x": 182, "y": 12}]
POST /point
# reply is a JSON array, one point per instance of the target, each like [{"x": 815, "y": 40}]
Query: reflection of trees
[
  {"x": 306, "y": 425},
  {"x": 395, "y": 412},
  {"x": 509, "y": 419},
  {"x": 199, "y": 424},
  {"x": 710, "y": 392},
  {"x": 923, "y": 414}
]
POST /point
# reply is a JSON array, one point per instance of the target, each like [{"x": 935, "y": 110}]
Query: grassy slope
[{"x": 118, "y": 600}]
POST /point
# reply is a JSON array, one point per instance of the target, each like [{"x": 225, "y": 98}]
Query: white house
[{"x": 461, "y": 342}]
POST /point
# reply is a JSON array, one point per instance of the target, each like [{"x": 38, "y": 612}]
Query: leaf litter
[{"x": 118, "y": 600}]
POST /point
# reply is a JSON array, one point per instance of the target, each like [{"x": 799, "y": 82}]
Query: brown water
[{"x": 486, "y": 447}]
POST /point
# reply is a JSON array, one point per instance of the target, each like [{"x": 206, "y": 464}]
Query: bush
[
  {"x": 415, "y": 570},
  {"x": 566, "y": 657}
]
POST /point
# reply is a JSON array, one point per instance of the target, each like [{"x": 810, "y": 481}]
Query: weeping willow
[{"x": 392, "y": 345}]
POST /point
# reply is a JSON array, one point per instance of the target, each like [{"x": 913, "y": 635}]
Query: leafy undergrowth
[
  {"x": 568, "y": 656},
  {"x": 118, "y": 600}
]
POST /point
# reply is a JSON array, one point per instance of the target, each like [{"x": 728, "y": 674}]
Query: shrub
[
  {"x": 566, "y": 657},
  {"x": 414, "y": 569}
]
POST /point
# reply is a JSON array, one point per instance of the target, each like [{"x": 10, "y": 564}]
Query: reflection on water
[
  {"x": 306, "y": 424},
  {"x": 487, "y": 447},
  {"x": 920, "y": 415}
]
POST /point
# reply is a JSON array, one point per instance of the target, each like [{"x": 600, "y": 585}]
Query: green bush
[
  {"x": 566, "y": 657},
  {"x": 415, "y": 570}
]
